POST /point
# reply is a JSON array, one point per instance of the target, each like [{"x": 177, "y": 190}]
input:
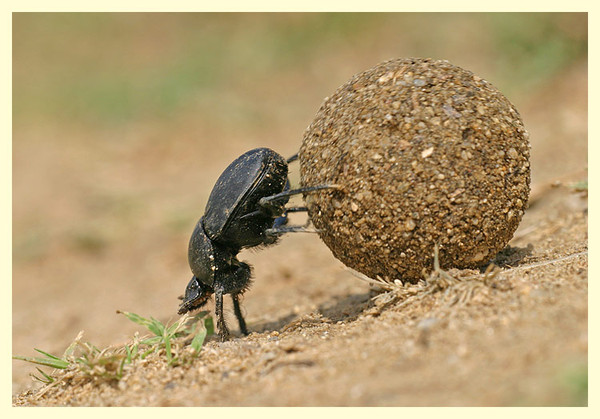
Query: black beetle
[{"x": 246, "y": 208}]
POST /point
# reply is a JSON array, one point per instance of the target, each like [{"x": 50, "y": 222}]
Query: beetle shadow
[
  {"x": 273, "y": 325},
  {"x": 345, "y": 308},
  {"x": 348, "y": 308},
  {"x": 510, "y": 256}
]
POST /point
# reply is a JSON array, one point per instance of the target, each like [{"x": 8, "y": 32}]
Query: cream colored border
[{"x": 290, "y": 6}]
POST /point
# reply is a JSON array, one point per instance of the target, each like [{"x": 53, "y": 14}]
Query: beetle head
[{"x": 196, "y": 295}]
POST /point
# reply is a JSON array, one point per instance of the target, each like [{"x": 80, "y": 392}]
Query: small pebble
[{"x": 427, "y": 153}]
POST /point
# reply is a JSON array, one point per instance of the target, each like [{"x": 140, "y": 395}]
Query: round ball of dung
[{"x": 425, "y": 153}]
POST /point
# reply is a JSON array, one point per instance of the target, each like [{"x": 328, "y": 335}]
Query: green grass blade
[
  {"x": 121, "y": 366},
  {"x": 47, "y": 378},
  {"x": 148, "y": 352},
  {"x": 198, "y": 340},
  {"x": 210, "y": 326},
  {"x": 85, "y": 361},
  {"x": 200, "y": 315},
  {"x": 129, "y": 354},
  {"x": 47, "y": 354},
  {"x": 173, "y": 329},
  {"x": 151, "y": 324},
  {"x": 152, "y": 341},
  {"x": 136, "y": 318},
  {"x": 168, "y": 350},
  {"x": 156, "y": 327},
  {"x": 48, "y": 362},
  {"x": 134, "y": 350}
]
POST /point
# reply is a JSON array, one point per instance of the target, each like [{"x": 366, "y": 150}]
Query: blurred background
[{"x": 123, "y": 122}]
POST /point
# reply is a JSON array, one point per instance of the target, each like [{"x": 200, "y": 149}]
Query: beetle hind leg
[
  {"x": 235, "y": 283},
  {"x": 238, "y": 313}
]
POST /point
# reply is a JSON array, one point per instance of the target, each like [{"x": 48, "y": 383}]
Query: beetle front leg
[
  {"x": 280, "y": 231},
  {"x": 222, "y": 326},
  {"x": 273, "y": 202}
]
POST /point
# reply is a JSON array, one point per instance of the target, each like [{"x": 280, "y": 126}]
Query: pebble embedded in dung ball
[{"x": 427, "y": 153}]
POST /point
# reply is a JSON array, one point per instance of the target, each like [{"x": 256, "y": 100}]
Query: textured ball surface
[{"x": 427, "y": 153}]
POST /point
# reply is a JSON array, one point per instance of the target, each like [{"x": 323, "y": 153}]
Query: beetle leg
[
  {"x": 280, "y": 221},
  {"x": 292, "y": 158},
  {"x": 283, "y": 220},
  {"x": 270, "y": 201},
  {"x": 279, "y": 231},
  {"x": 235, "y": 282},
  {"x": 238, "y": 313},
  {"x": 223, "y": 330},
  {"x": 308, "y": 220},
  {"x": 296, "y": 209}
]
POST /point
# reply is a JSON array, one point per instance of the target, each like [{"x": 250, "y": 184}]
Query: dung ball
[{"x": 425, "y": 153}]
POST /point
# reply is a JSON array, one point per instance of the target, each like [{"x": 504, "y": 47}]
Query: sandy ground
[{"x": 113, "y": 235}]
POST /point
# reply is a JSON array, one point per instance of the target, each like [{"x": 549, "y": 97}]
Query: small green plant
[
  {"x": 580, "y": 186},
  {"x": 109, "y": 363},
  {"x": 47, "y": 360},
  {"x": 164, "y": 336},
  {"x": 573, "y": 380}
]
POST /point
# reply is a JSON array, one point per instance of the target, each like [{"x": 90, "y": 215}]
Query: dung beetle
[{"x": 246, "y": 208}]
